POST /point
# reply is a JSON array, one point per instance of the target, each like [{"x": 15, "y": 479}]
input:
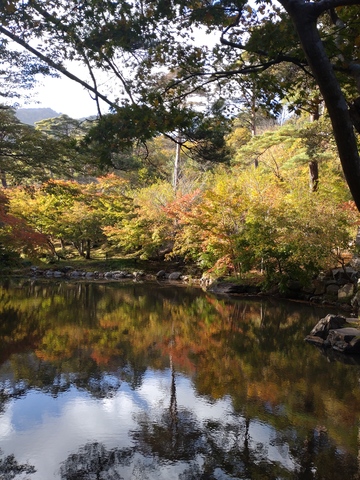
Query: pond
[{"x": 149, "y": 381}]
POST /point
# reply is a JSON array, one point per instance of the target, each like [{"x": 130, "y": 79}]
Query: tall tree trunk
[
  {"x": 177, "y": 165},
  {"x": 304, "y": 16},
  {"x": 314, "y": 175}
]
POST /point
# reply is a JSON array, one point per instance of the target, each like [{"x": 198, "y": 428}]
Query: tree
[
  {"x": 16, "y": 235},
  {"x": 18, "y": 73},
  {"x": 10, "y": 468},
  {"x": 255, "y": 220},
  {"x": 28, "y": 154},
  {"x": 317, "y": 39}
]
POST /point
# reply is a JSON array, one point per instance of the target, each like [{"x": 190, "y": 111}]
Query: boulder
[
  {"x": 332, "y": 289},
  {"x": 330, "y": 322},
  {"x": 161, "y": 274},
  {"x": 346, "y": 292},
  {"x": 175, "y": 276},
  {"x": 355, "y": 301},
  {"x": 346, "y": 340},
  {"x": 334, "y": 332}
]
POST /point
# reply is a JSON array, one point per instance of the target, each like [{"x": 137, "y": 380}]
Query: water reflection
[{"x": 141, "y": 381}]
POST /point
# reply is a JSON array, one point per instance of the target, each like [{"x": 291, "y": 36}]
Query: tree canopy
[{"x": 160, "y": 56}]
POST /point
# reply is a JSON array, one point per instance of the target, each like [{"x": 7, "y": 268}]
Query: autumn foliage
[
  {"x": 263, "y": 216},
  {"x": 16, "y": 234}
]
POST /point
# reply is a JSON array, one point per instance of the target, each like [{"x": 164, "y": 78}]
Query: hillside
[{"x": 32, "y": 115}]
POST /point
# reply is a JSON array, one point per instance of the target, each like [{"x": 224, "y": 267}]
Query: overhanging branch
[
  {"x": 216, "y": 75},
  {"x": 56, "y": 66}
]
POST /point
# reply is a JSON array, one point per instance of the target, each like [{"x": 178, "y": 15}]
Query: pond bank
[{"x": 338, "y": 288}]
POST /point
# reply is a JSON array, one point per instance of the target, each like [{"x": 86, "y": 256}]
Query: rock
[
  {"x": 67, "y": 269},
  {"x": 332, "y": 289},
  {"x": 138, "y": 274},
  {"x": 161, "y": 274},
  {"x": 355, "y": 301},
  {"x": 315, "y": 340},
  {"x": 319, "y": 287},
  {"x": 346, "y": 340},
  {"x": 76, "y": 273},
  {"x": 326, "y": 324},
  {"x": 344, "y": 274},
  {"x": 346, "y": 292},
  {"x": 330, "y": 332},
  {"x": 233, "y": 288},
  {"x": 206, "y": 281},
  {"x": 175, "y": 276}
]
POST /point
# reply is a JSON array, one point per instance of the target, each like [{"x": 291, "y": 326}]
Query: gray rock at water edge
[
  {"x": 76, "y": 273},
  {"x": 330, "y": 322},
  {"x": 58, "y": 274},
  {"x": 161, "y": 274},
  {"x": 175, "y": 276},
  {"x": 346, "y": 340},
  {"x": 333, "y": 332},
  {"x": 355, "y": 301}
]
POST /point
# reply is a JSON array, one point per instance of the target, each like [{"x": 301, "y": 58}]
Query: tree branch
[
  {"x": 55, "y": 65},
  {"x": 325, "y": 5},
  {"x": 241, "y": 71}
]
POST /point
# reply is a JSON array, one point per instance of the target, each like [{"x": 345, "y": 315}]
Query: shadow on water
[{"x": 153, "y": 381}]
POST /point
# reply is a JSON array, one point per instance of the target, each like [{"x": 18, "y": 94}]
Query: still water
[{"x": 148, "y": 381}]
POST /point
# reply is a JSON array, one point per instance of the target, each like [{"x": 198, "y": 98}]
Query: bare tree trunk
[
  {"x": 3, "y": 179},
  {"x": 177, "y": 165},
  {"x": 87, "y": 249}
]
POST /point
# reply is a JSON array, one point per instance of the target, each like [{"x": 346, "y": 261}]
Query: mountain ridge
[{"x": 32, "y": 115}]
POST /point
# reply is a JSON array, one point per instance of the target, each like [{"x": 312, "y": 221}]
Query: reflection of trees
[
  {"x": 209, "y": 450},
  {"x": 10, "y": 468},
  {"x": 95, "y": 462},
  {"x": 96, "y": 336}
]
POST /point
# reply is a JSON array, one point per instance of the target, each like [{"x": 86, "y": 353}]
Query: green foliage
[
  {"x": 145, "y": 229},
  {"x": 18, "y": 73},
  {"x": 50, "y": 150}
]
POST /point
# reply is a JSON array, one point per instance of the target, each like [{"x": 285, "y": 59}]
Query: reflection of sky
[{"x": 43, "y": 430}]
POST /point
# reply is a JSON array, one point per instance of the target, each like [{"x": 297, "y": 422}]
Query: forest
[{"x": 226, "y": 137}]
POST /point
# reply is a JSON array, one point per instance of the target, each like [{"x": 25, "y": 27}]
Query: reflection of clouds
[
  {"x": 261, "y": 432},
  {"x": 6, "y": 426},
  {"x": 73, "y": 419},
  {"x": 200, "y": 406},
  {"x": 155, "y": 389}
]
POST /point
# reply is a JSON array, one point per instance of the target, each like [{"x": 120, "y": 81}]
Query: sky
[
  {"x": 64, "y": 96},
  {"x": 68, "y": 97}
]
